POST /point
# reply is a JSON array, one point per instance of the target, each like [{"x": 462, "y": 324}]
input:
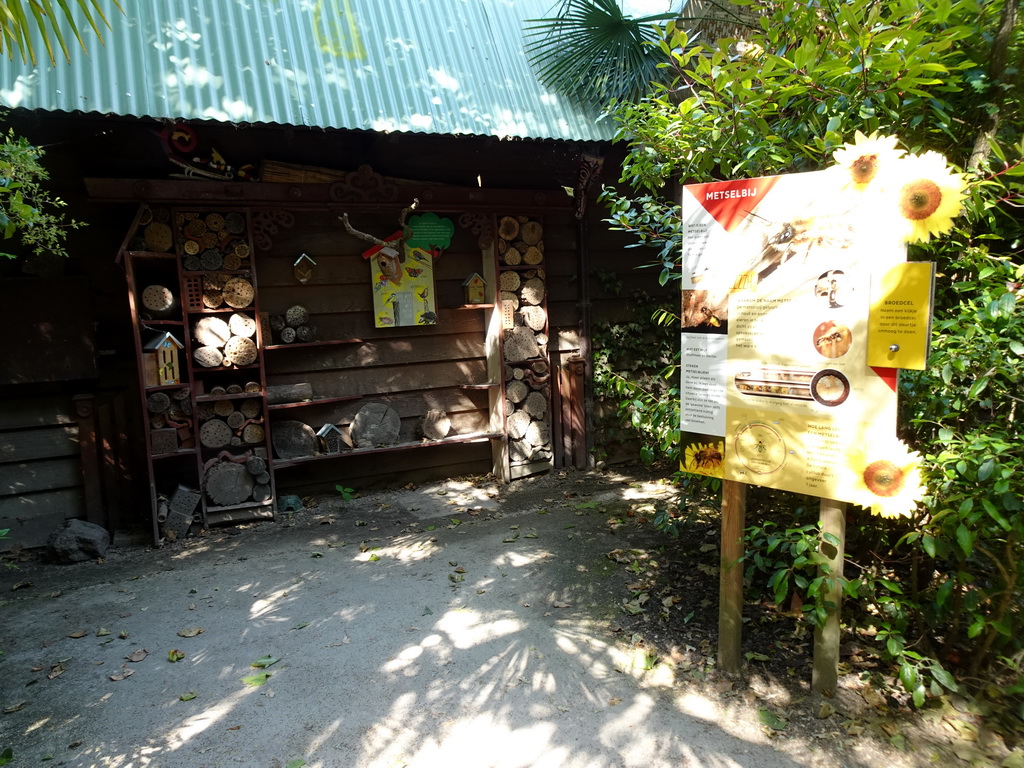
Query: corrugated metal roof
[{"x": 428, "y": 66}]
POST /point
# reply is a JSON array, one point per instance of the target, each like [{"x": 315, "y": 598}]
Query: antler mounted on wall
[{"x": 376, "y": 240}]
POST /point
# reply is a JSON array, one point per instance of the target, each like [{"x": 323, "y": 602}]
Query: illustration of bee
[
  {"x": 708, "y": 457},
  {"x": 797, "y": 239},
  {"x": 760, "y": 447}
]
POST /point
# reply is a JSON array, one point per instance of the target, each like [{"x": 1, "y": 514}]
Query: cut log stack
[
  {"x": 293, "y": 326},
  {"x": 221, "y": 342},
  {"x": 523, "y": 293},
  {"x": 231, "y": 423}
]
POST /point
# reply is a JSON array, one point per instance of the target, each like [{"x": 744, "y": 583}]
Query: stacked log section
[
  {"x": 523, "y": 297},
  {"x": 224, "y": 343}
]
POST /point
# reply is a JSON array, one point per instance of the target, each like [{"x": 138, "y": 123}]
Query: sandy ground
[{"x": 457, "y": 624}]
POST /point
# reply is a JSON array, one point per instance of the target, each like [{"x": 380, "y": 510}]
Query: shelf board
[
  {"x": 180, "y": 385},
  {"x": 314, "y": 401},
  {"x": 243, "y": 505},
  {"x": 325, "y": 343},
  {"x": 478, "y": 386},
  {"x": 147, "y": 323},
  {"x": 216, "y": 398},
  {"x": 179, "y": 452},
  {"x": 521, "y": 267},
  {"x": 219, "y": 310},
  {"x": 216, "y": 272},
  {"x": 199, "y": 370},
  {"x": 474, "y": 306},
  {"x": 152, "y": 254},
  {"x": 475, "y": 437}
]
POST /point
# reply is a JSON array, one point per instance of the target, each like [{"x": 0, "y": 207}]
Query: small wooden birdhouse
[
  {"x": 330, "y": 438},
  {"x": 160, "y": 360},
  {"x": 303, "y": 268},
  {"x": 476, "y": 289}
]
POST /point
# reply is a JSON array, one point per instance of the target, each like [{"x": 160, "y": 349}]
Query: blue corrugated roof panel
[{"x": 426, "y": 66}]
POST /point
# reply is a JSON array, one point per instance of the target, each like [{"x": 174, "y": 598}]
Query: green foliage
[
  {"x": 942, "y": 592},
  {"x": 47, "y": 21},
  {"x": 795, "y": 561},
  {"x": 346, "y": 493},
  {"x": 27, "y": 210},
  {"x": 636, "y": 368}
]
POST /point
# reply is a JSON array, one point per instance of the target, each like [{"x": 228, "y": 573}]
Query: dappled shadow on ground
[{"x": 394, "y": 638}]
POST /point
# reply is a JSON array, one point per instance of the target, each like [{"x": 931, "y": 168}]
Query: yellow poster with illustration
[
  {"x": 403, "y": 284},
  {"x": 798, "y": 306},
  {"x": 775, "y": 307}
]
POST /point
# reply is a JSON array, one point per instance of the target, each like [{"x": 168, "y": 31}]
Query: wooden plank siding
[
  {"x": 412, "y": 369},
  {"x": 40, "y": 468}
]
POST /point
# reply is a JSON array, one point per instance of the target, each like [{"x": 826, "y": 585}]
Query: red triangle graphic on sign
[
  {"x": 730, "y": 201},
  {"x": 888, "y": 375}
]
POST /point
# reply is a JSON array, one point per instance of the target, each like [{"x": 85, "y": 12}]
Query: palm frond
[
  {"x": 50, "y": 21},
  {"x": 592, "y": 53}
]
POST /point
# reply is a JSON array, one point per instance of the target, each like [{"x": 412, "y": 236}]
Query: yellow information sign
[{"x": 899, "y": 322}]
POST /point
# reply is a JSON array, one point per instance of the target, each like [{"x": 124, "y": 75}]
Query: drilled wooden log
[
  {"x": 293, "y": 439},
  {"x": 532, "y": 291},
  {"x": 509, "y": 279},
  {"x": 288, "y": 335},
  {"x": 520, "y": 344},
  {"x": 538, "y": 434},
  {"x": 296, "y": 315},
  {"x": 532, "y": 232},
  {"x": 436, "y": 424},
  {"x": 235, "y": 420},
  {"x": 305, "y": 333},
  {"x": 215, "y": 434},
  {"x": 158, "y": 402},
  {"x": 536, "y": 405},
  {"x": 242, "y": 325},
  {"x": 261, "y": 493},
  {"x": 508, "y": 228},
  {"x": 228, "y": 483},
  {"x": 211, "y": 331},
  {"x": 512, "y": 256},
  {"x": 507, "y": 297},
  {"x": 516, "y": 391},
  {"x": 539, "y": 367},
  {"x": 534, "y": 317},
  {"x": 533, "y": 255},
  {"x": 375, "y": 424},
  {"x": 254, "y": 465},
  {"x": 158, "y": 300},
  {"x": 277, "y": 322},
  {"x": 518, "y": 423},
  {"x": 240, "y": 351},
  {"x": 519, "y": 451}
]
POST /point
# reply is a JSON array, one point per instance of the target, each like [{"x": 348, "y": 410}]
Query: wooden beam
[
  {"x": 319, "y": 196},
  {"x": 730, "y": 584},
  {"x": 825, "y": 673}
]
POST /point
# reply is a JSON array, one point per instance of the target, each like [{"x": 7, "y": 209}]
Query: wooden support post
[
  {"x": 825, "y": 674},
  {"x": 90, "y": 457},
  {"x": 730, "y": 591}
]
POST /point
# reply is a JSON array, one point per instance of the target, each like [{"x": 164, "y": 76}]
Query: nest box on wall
[{"x": 161, "y": 360}]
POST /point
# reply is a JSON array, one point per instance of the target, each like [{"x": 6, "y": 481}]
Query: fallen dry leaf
[
  {"x": 559, "y": 604},
  {"x": 78, "y": 633},
  {"x": 15, "y": 707},
  {"x": 122, "y": 674},
  {"x": 614, "y": 701},
  {"x": 235, "y": 728},
  {"x": 191, "y": 632},
  {"x": 137, "y": 655},
  {"x": 56, "y": 671}
]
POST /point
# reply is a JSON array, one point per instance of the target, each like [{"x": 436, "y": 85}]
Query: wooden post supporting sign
[
  {"x": 825, "y": 674},
  {"x": 730, "y": 591}
]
